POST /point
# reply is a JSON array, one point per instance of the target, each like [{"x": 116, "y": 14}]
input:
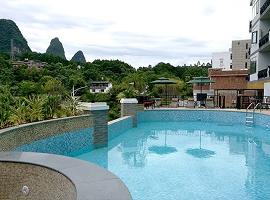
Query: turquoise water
[{"x": 189, "y": 161}]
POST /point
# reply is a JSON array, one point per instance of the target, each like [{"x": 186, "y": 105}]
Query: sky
[{"x": 139, "y": 32}]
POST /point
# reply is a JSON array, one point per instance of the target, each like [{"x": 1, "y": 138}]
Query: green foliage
[
  {"x": 19, "y": 112},
  {"x": 32, "y": 94},
  {"x": 6, "y": 72},
  {"x": 54, "y": 87},
  {"x": 27, "y": 88},
  {"x": 6, "y": 100}
]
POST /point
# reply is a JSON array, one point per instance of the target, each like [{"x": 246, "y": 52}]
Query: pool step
[{"x": 249, "y": 120}]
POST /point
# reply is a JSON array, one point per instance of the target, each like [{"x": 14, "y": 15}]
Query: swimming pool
[{"x": 168, "y": 158}]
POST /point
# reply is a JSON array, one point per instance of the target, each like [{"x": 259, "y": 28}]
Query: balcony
[
  {"x": 263, "y": 74},
  {"x": 264, "y": 43},
  {"x": 265, "y": 11}
]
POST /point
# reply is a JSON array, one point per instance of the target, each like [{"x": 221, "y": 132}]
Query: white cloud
[{"x": 140, "y": 32}]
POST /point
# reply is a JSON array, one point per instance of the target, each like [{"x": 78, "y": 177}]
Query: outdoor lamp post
[{"x": 74, "y": 91}]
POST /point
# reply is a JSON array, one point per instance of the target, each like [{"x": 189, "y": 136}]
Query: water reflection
[
  {"x": 243, "y": 158},
  {"x": 164, "y": 149},
  {"x": 200, "y": 152},
  {"x": 134, "y": 151}
]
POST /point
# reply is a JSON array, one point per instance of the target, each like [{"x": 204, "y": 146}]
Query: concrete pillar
[
  {"x": 129, "y": 107},
  {"x": 99, "y": 113}
]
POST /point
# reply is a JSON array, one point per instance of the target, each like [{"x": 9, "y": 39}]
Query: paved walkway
[{"x": 267, "y": 112}]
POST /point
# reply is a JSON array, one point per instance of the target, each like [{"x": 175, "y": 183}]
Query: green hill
[
  {"x": 56, "y": 48},
  {"x": 78, "y": 57},
  {"x": 9, "y": 30}
]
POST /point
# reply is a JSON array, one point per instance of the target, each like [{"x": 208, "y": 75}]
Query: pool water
[{"x": 189, "y": 161}]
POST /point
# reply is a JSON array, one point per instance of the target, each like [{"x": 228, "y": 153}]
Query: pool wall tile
[
  {"x": 14, "y": 137},
  {"x": 196, "y": 115},
  {"x": 119, "y": 126},
  {"x": 64, "y": 144}
]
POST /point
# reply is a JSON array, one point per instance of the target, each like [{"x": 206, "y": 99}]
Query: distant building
[
  {"x": 221, "y": 60},
  {"x": 240, "y": 54},
  {"x": 100, "y": 87},
  {"x": 29, "y": 63}
]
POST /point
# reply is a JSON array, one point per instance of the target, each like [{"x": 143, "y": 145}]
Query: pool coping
[
  {"x": 91, "y": 182},
  {"x": 3, "y": 131}
]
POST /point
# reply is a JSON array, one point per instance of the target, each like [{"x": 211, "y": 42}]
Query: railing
[
  {"x": 212, "y": 101},
  {"x": 265, "y": 6},
  {"x": 263, "y": 74},
  {"x": 264, "y": 40}
]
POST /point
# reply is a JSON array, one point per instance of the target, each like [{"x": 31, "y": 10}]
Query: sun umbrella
[
  {"x": 166, "y": 82},
  {"x": 201, "y": 81},
  {"x": 164, "y": 149},
  {"x": 200, "y": 152}
]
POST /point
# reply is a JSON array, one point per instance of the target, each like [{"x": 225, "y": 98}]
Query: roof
[
  {"x": 99, "y": 82},
  {"x": 201, "y": 79},
  {"x": 164, "y": 81}
]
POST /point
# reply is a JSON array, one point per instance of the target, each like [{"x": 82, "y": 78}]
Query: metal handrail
[
  {"x": 250, "y": 106},
  {"x": 257, "y": 105}
]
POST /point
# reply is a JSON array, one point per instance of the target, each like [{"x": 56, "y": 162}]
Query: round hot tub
[{"x": 28, "y": 181}]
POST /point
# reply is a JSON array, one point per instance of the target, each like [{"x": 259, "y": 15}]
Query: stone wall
[
  {"x": 42, "y": 182},
  {"x": 13, "y": 137},
  {"x": 130, "y": 109},
  {"x": 100, "y": 122}
]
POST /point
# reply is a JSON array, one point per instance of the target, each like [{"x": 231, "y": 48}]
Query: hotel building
[{"x": 260, "y": 46}]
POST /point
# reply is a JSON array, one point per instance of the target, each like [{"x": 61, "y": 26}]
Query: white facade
[
  {"x": 100, "y": 87},
  {"x": 221, "y": 60},
  {"x": 260, "y": 45}
]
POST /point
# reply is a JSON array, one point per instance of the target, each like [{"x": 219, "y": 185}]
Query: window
[
  {"x": 254, "y": 37},
  {"x": 246, "y": 45},
  {"x": 93, "y": 90},
  {"x": 253, "y": 66},
  {"x": 246, "y": 55},
  {"x": 246, "y": 65},
  {"x": 231, "y": 56},
  {"x": 102, "y": 90},
  {"x": 230, "y": 66},
  {"x": 221, "y": 62},
  {"x": 255, "y": 8}
]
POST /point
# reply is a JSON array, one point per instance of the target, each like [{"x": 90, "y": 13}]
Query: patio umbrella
[
  {"x": 166, "y": 82},
  {"x": 164, "y": 149},
  {"x": 200, "y": 152},
  {"x": 201, "y": 81}
]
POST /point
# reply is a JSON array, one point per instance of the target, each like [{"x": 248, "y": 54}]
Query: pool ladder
[{"x": 250, "y": 115}]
